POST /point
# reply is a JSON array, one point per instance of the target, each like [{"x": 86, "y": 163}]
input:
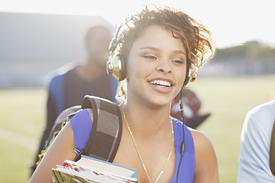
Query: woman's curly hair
[{"x": 194, "y": 36}]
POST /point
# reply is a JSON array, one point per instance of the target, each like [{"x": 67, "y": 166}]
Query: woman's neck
[{"x": 145, "y": 120}]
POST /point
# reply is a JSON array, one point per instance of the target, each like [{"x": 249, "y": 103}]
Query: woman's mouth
[
  {"x": 161, "y": 83},
  {"x": 163, "y": 86}
]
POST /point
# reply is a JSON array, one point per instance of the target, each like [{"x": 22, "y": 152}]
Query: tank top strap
[
  {"x": 188, "y": 162},
  {"x": 82, "y": 127}
]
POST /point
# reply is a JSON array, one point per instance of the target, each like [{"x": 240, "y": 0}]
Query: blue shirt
[{"x": 82, "y": 127}]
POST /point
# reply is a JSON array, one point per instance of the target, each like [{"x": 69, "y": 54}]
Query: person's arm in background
[{"x": 255, "y": 145}]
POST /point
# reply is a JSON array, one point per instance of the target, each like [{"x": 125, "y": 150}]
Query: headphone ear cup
[
  {"x": 116, "y": 67},
  {"x": 190, "y": 77}
]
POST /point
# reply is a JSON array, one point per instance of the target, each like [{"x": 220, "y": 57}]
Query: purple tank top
[{"x": 82, "y": 127}]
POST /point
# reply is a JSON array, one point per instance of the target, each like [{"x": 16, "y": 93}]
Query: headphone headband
[
  {"x": 116, "y": 64},
  {"x": 113, "y": 44}
]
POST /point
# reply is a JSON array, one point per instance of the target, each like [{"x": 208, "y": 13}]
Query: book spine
[{"x": 134, "y": 172}]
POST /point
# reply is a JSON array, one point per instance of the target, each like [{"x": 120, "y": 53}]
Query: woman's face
[{"x": 156, "y": 66}]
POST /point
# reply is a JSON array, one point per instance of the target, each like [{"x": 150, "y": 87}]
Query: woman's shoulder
[
  {"x": 199, "y": 137},
  {"x": 201, "y": 140},
  {"x": 203, "y": 148},
  {"x": 206, "y": 160}
]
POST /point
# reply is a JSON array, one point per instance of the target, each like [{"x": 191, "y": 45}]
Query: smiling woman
[
  {"x": 156, "y": 52},
  {"x": 155, "y": 57}
]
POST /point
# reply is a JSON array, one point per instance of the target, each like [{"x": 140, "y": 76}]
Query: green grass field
[{"x": 22, "y": 119}]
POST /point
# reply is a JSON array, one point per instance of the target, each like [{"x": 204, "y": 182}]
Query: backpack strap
[
  {"x": 106, "y": 132},
  {"x": 272, "y": 151}
]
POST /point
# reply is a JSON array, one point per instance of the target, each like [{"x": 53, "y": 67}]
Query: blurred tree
[{"x": 250, "y": 50}]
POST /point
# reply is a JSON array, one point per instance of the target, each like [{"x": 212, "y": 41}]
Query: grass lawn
[
  {"x": 228, "y": 100},
  {"x": 22, "y": 119}
]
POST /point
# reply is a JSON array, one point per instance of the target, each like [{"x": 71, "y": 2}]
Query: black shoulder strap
[
  {"x": 107, "y": 128},
  {"x": 272, "y": 151}
]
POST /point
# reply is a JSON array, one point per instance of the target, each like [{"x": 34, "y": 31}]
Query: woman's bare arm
[
  {"x": 206, "y": 170},
  {"x": 60, "y": 150}
]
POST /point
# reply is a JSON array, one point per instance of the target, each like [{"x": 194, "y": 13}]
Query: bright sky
[{"x": 231, "y": 22}]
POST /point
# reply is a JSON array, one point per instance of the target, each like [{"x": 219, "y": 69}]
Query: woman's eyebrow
[
  {"x": 157, "y": 49},
  {"x": 180, "y": 52},
  {"x": 150, "y": 48}
]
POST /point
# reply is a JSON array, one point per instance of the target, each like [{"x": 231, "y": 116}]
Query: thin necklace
[{"x": 143, "y": 165}]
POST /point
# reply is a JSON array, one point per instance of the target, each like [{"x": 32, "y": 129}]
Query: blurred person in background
[
  {"x": 255, "y": 149},
  {"x": 70, "y": 83}
]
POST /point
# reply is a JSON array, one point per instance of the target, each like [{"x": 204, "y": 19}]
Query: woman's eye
[
  {"x": 150, "y": 57},
  {"x": 178, "y": 61}
]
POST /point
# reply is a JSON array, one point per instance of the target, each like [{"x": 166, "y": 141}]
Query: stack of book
[{"x": 89, "y": 169}]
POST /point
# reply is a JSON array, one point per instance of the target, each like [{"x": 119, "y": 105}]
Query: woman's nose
[{"x": 164, "y": 67}]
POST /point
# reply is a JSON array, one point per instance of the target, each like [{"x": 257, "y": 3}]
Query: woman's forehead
[{"x": 156, "y": 36}]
